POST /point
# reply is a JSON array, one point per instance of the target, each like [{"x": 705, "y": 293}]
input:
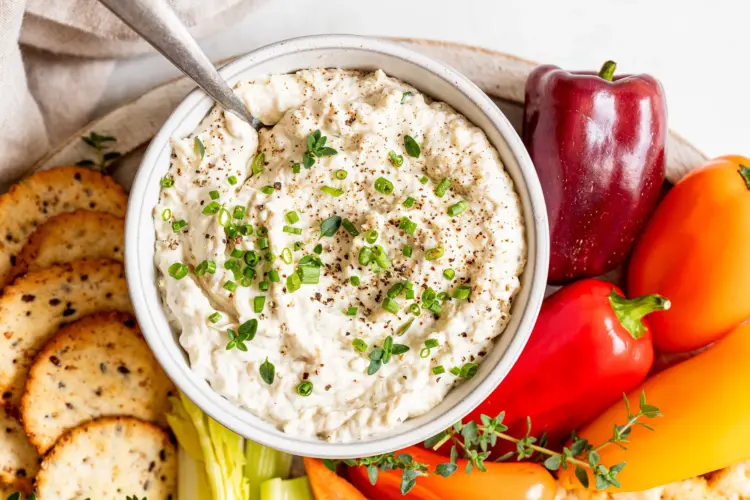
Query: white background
[{"x": 699, "y": 49}]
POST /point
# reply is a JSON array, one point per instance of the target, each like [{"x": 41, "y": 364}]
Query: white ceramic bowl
[{"x": 434, "y": 79}]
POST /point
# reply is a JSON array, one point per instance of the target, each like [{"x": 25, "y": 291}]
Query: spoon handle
[{"x": 158, "y": 24}]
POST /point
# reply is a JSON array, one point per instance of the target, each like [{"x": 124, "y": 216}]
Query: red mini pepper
[
  {"x": 597, "y": 142},
  {"x": 588, "y": 347}
]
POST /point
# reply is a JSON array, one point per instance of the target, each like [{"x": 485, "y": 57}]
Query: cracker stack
[{"x": 78, "y": 383}]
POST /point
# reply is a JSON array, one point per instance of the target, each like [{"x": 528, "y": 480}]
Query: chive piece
[
  {"x": 211, "y": 208},
  {"x": 237, "y": 253},
  {"x": 292, "y": 217},
  {"x": 239, "y": 212},
  {"x": 178, "y": 225},
  {"x": 267, "y": 190},
  {"x": 428, "y": 296},
  {"x": 224, "y": 218},
  {"x": 231, "y": 230},
  {"x": 249, "y": 273},
  {"x": 462, "y": 292},
  {"x": 443, "y": 296},
  {"x": 230, "y": 286},
  {"x": 402, "y": 329},
  {"x": 298, "y": 245},
  {"x": 258, "y": 164},
  {"x": 371, "y": 236},
  {"x": 318, "y": 249},
  {"x": 431, "y": 343},
  {"x": 200, "y": 150},
  {"x": 166, "y": 182},
  {"x": 449, "y": 274},
  {"x": 293, "y": 282},
  {"x": 341, "y": 174},
  {"x": 259, "y": 303},
  {"x": 354, "y": 280},
  {"x": 415, "y": 310},
  {"x": 246, "y": 282},
  {"x": 395, "y": 290},
  {"x": 390, "y": 305},
  {"x": 458, "y": 208},
  {"x": 438, "y": 370},
  {"x": 178, "y": 270},
  {"x": 351, "y": 311},
  {"x": 292, "y": 230},
  {"x": 435, "y": 308},
  {"x": 407, "y": 250},
  {"x": 263, "y": 286},
  {"x": 267, "y": 371},
  {"x": 296, "y": 167},
  {"x": 359, "y": 345},
  {"x": 207, "y": 266},
  {"x": 425, "y": 352},
  {"x": 443, "y": 187},
  {"x": 215, "y": 317},
  {"x": 408, "y": 226},
  {"x": 365, "y": 256},
  {"x": 273, "y": 276},
  {"x": 408, "y": 285},
  {"x": 251, "y": 258},
  {"x": 383, "y": 185},
  {"x": 262, "y": 231},
  {"x": 309, "y": 275},
  {"x": 380, "y": 257},
  {"x": 411, "y": 146},
  {"x": 232, "y": 180},
  {"x": 246, "y": 229},
  {"x": 456, "y": 371},
  {"x": 468, "y": 370},
  {"x": 286, "y": 256},
  {"x": 405, "y": 96},
  {"x": 231, "y": 264},
  {"x": 409, "y": 202},
  {"x": 166, "y": 214},
  {"x": 214, "y": 194},
  {"x": 350, "y": 227},
  {"x": 434, "y": 253},
  {"x": 423, "y": 180},
  {"x": 262, "y": 243},
  {"x": 396, "y": 159},
  {"x": 335, "y": 192},
  {"x": 409, "y": 294},
  {"x": 305, "y": 388},
  {"x": 269, "y": 256}
]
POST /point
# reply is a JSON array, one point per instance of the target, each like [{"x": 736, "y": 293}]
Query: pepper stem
[
  {"x": 608, "y": 70},
  {"x": 745, "y": 173},
  {"x": 630, "y": 312}
]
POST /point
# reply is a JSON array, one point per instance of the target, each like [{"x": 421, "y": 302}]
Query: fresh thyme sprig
[
  {"x": 104, "y": 158},
  {"x": 20, "y": 496},
  {"x": 316, "y": 148},
  {"x": 473, "y": 442}
]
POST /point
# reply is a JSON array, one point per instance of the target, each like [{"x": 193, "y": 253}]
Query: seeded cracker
[{"x": 19, "y": 462}]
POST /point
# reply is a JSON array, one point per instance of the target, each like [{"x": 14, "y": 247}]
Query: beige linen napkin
[{"x": 55, "y": 59}]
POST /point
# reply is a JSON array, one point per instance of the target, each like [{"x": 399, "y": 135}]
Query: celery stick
[
  {"x": 192, "y": 483},
  {"x": 263, "y": 463},
  {"x": 290, "y": 489}
]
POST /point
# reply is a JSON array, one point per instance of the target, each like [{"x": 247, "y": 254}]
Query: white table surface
[{"x": 699, "y": 49}]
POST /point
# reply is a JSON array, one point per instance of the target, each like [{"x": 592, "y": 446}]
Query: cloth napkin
[{"x": 55, "y": 60}]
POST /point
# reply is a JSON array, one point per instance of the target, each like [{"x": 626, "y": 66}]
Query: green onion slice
[
  {"x": 286, "y": 256},
  {"x": 292, "y": 217},
  {"x": 332, "y": 191},
  {"x": 443, "y": 187},
  {"x": 178, "y": 270},
  {"x": 458, "y": 208},
  {"x": 305, "y": 388},
  {"x": 434, "y": 253},
  {"x": 371, "y": 236},
  {"x": 383, "y": 185}
]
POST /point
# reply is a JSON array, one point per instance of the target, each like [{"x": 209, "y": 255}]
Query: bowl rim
[{"x": 224, "y": 411}]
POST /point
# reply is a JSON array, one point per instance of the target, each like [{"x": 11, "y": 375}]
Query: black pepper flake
[{"x": 28, "y": 298}]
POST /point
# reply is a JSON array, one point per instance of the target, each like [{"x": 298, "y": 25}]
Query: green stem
[
  {"x": 630, "y": 312},
  {"x": 627, "y": 426},
  {"x": 543, "y": 451},
  {"x": 608, "y": 70},
  {"x": 745, "y": 173}
]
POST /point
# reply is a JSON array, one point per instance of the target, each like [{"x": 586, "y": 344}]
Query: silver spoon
[{"x": 157, "y": 23}]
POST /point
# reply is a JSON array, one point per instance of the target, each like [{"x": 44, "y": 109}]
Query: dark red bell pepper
[
  {"x": 588, "y": 347},
  {"x": 597, "y": 142}
]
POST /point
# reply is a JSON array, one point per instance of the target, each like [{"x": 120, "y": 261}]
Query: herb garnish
[
  {"x": 305, "y": 388},
  {"x": 382, "y": 355},
  {"x": 104, "y": 159},
  {"x": 245, "y": 333},
  {"x": 267, "y": 371},
  {"x": 411, "y": 146},
  {"x": 330, "y": 226},
  {"x": 405, "y": 96},
  {"x": 395, "y": 158},
  {"x": 316, "y": 148},
  {"x": 200, "y": 150},
  {"x": 18, "y": 496}
]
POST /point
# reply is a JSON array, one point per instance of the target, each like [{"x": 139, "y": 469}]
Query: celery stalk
[
  {"x": 290, "y": 489},
  {"x": 192, "y": 483},
  {"x": 263, "y": 463}
]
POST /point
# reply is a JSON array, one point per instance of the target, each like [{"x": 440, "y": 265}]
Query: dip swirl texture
[{"x": 450, "y": 247}]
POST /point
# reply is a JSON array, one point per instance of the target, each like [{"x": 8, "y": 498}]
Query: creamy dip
[{"x": 449, "y": 248}]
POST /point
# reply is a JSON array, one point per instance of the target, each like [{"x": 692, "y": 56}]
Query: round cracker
[
  {"x": 110, "y": 458},
  {"x": 82, "y": 234},
  {"x": 39, "y": 303},
  {"x": 98, "y": 366},
  {"x": 19, "y": 461},
  {"x": 45, "y": 194}
]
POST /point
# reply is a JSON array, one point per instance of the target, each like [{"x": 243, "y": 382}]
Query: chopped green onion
[
  {"x": 267, "y": 190},
  {"x": 224, "y": 218},
  {"x": 237, "y": 253},
  {"x": 380, "y": 257},
  {"x": 273, "y": 275},
  {"x": 415, "y": 310},
  {"x": 251, "y": 258},
  {"x": 409, "y": 285},
  {"x": 405, "y": 95},
  {"x": 239, "y": 212},
  {"x": 383, "y": 185},
  {"x": 335, "y": 192},
  {"x": 249, "y": 272},
  {"x": 365, "y": 256},
  {"x": 443, "y": 296},
  {"x": 199, "y": 148},
  {"x": 438, "y": 370},
  {"x": 354, "y": 280},
  {"x": 259, "y": 303},
  {"x": 456, "y": 371},
  {"x": 230, "y": 285},
  {"x": 258, "y": 163},
  {"x": 293, "y": 282},
  {"x": 178, "y": 225},
  {"x": 425, "y": 352},
  {"x": 359, "y": 345},
  {"x": 402, "y": 329},
  {"x": 443, "y": 187},
  {"x": 286, "y": 256},
  {"x": 435, "y": 308},
  {"x": 296, "y": 167},
  {"x": 263, "y": 286},
  {"x": 340, "y": 174},
  {"x": 351, "y": 311},
  {"x": 407, "y": 250},
  {"x": 409, "y": 202},
  {"x": 262, "y": 231},
  {"x": 207, "y": 266},
  {"x": 245, "y": 281},
  {"x": 231, "y": 230},
  {"x": 214, "y": 194},
  {"x": 350, "y": 227},
  {"x": 292, "y": 230},
  {"x": 214, "y": 318},
  {"x": 431, "y": 343},
  {"x": 462, "y": 292},
  {"x": 449, "y": 274},
  {"x": 178, "y": 270},
  {"x": 371, "y": 236},
  {"x": 269, "y": 256},
  {"x": 298, "y": 245},
  {"x": 423, "y": 180},
  {"x": 305, "y": 388},
  {"x": 434, "y": 253},
  {"x": 211, "y": 208},
  {"x": 246, "y": 229},
  {"x": 166, "y": 182},
  {"x": 456, "y": 209},
  {"x": 468, "y": 370},
  {"x": 395, "y": 290},
  {"x": 428, "y": 296},
  {"x": 166, "y": 215},
  {"x": 309, "y": 275},
  {"x": 262, "y": 243},
  {"x": 318, "y": 249},
  {"x": 292, "y": 217},
  {"x": 409, "y": 294},
  {"x": 408, "y": 226},
  {"x": 232, "y": 180},
  {"x": 390, "y": 305},
  {"x": 395, "y": 158},
  {"x": 232, "y": 264}
]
